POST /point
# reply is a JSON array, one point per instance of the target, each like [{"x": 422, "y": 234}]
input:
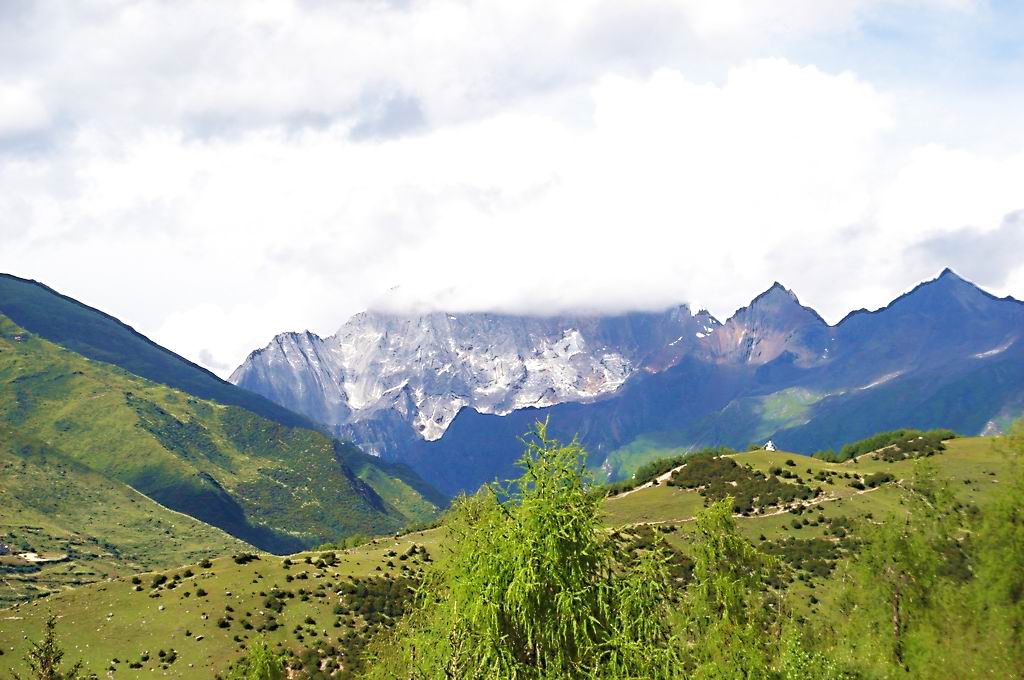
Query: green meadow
[{"x": 207, "y": 612}]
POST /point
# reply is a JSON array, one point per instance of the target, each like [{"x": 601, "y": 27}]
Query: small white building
[{"x": 770, "y": 446}]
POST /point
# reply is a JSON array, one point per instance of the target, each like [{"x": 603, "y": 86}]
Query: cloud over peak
[{"x": 258, "y": 167}]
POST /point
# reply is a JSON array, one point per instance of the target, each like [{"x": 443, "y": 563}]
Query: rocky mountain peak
[
  {"x": 387, "y": 372},
  {"x": 427, "y": 367},
  {"x": 945, "y": 298},
  {"x": 777, "y": 304},
  {"x": 773, "y": 323}
]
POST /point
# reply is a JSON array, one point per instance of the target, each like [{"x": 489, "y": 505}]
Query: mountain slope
[
  {"x": 280, "y": 488},
  {"x": 105, "y": 620},
  {"x": 99, "y": 336},
  {"x": 95, "y": 527},
  {"x": 434, "y": 390},
  {"x": 423, "y": 370}
]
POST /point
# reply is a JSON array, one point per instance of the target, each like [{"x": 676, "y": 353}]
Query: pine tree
[
  {"x": 44, "y": 658},
  {"x": 259, "y": 663},
  {"x": 535, "y": 588},
  {"x": 731, "y": 616}
]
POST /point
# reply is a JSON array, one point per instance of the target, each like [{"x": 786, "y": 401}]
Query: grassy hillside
[
  {"x": 206, "y": 614},
  {"x": 93, "y": 528},
  {"x": 278, "y": 487},
  {"x": 972, "y": 464},
  {"x": 804, "y": 532},
  {"x": 98, "y": 336},
  {"x": 810, "y": 537}
]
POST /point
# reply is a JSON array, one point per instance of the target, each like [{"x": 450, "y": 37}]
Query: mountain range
[
  {"x": 113, "y": 420},
  {"x": 447, "y": 393}
]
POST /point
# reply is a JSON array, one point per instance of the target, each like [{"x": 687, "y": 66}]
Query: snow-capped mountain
[
  {"x": 426, "y": 368},
  {"x": 449, "y": 393}
]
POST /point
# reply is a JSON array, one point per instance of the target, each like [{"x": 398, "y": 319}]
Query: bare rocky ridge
[
  {"x": 427, "y": 368},
  {"x": 424, "y": 369}
]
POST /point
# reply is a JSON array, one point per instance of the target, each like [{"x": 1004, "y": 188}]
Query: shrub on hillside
[
  {"x": 718, "y": 478},
  {"x": 893, "y": 445},
  {"x": 648, "y": 472}
]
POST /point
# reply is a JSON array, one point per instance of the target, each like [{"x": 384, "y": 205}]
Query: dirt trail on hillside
[
  {"x": 774, "y": 513},
  {"x": 660, "y": 479}
]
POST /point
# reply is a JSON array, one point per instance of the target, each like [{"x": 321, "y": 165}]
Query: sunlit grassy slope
[
  {"x": 70, "y": 324},
  {"x": 278, "y": 487},
  {"x": 98, "y": 528},
  {"x": 108, "y": 620},
  {"x": 972, "y": 465},
  {"x": 119, "y": 620}
]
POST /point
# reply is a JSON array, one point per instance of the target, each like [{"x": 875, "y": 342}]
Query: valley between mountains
[
  {"x": 87, "y": 394},
  {"x": 173, "y": 524}
]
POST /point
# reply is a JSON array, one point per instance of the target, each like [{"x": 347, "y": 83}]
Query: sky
[{"x": 214, "y": 173}]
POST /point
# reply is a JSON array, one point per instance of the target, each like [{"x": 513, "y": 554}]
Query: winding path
[{"x": 781, "y": 510}]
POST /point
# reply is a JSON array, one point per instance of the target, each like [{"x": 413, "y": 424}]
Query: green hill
[
  {"x": 206, "y": 614},
  {"x": 66, "y": 322},
  {"x": 277, "y": 487},
  {"x": 91, "y": 527},
  {"x": 812, "y": 535},
  {"x": 973, "y": 464},
  {"x": 335, "y": 607}
]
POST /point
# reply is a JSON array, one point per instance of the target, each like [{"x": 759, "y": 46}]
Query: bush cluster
[
  {"x": 892, "y": 446},
  {"x": 717, "y": 477}
]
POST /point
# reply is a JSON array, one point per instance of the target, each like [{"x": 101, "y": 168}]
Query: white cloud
[
  {"x": 942, "y": 190},
  {"x": 207, "y": 185},
  {"x": 21, "y": 109},
  {"x": 746, "y": 20},
  {"x": 219, "y": 67}
]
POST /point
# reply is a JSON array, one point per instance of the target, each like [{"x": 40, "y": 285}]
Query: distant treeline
[
  {"x": 648, "y": 472},
  {"x": 891, "y": 446},
  {"x": 900, "y": 445}
]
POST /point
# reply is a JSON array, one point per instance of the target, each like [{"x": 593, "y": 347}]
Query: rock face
[
  {"x": 425, "y": 369},
  {"x": 448, "y": 393},
  {"x": 773, "y": 323}
]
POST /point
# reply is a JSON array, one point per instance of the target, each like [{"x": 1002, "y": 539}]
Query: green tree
[
  {"x": 731, "y": 617},
  {"x": 901, "y": 589},
  {"x": 259, "y": 663},
  {"x": 44, "y": 658},
  {"x": 535, "y": 588},
  {"x": 997, "y": 591}
]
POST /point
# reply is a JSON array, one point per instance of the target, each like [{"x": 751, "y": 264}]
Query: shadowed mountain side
[
  {"x": 99, "y": 336},
  {"x": 277, "y": 487},
  {"x": 964, "y": 399},
  {"x": 481, "y": 447}
]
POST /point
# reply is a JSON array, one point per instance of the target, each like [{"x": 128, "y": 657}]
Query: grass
[
  {"x": 280, "y": 488},
  {"x": 661, "y": 503},
  {"x": 120, "y": 620},
  {"x": 56, "y": 507},
  {"x": 966, "y": 463},
  {"x": 972, "y": 465}
]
